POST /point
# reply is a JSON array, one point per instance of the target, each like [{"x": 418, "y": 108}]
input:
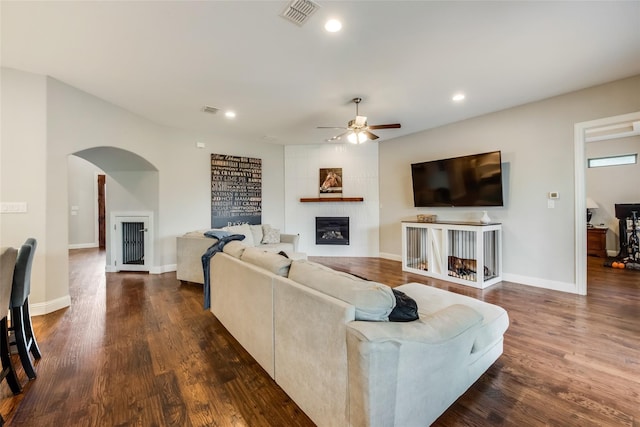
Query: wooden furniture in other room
[{"x": 597, "y": 241}]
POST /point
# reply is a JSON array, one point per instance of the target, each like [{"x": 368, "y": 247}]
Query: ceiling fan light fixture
[
  {"x": 357, "y": 137},
  {"x": 358, "y": 130}
]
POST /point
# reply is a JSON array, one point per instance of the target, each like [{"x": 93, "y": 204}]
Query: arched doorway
[{"x": 132, "y": 184}]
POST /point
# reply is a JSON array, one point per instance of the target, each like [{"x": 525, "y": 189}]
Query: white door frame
[
  {"x": 580, "y": 165},
  {"x": 117, "y": 218}
]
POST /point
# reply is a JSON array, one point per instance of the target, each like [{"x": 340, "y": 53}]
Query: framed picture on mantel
[{"x": 330, "y": 182}]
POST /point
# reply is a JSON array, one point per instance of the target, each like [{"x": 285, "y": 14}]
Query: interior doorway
[
  {"x": 102, "y": 220},
  {"x": 609, "y": 127}
]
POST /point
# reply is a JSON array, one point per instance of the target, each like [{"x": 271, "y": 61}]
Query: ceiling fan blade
[
  {"x": 331, "y": 127},
  {"x": 390, "y": 126},
  {"x": 370, "y": 135}
]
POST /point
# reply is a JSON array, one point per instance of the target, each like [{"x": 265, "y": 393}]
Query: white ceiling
[{"x": 165, "y": 60}]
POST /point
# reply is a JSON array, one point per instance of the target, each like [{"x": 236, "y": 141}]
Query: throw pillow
[
  {"x": 243, "y": 229},
  {"x": 271, "y": 235},
  {"x": 406, "y": 309},
  {"x": 256, "y": 230}
]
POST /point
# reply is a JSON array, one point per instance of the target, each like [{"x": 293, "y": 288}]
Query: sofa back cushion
[
  {"x": 244, "y": 229},
  {"x": 372, "y": 301},
  {"x": 270, "y": 261},
  {"x": 235, "y": 248},
  {"x": 256, "y": 231}
]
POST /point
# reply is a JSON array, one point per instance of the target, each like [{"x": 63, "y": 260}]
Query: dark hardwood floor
[{"x": 137, "y": 349}]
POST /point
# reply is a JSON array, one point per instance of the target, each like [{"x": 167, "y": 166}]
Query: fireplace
[{"x": 332, "y": 230}]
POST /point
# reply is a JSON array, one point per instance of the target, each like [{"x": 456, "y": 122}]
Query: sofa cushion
[
  {"x": 495, "y": 318},
  {"x": 197, "y": 233},
  {"x": 244, "y": 229},
  {"x": 256, "y": 230},
  {"x": 372, "y": 300},
  {"x": 270, "y": 235},
  {"x": 235, "y": 248},
  {"x": 277, "y": 247},
  {"x": 270, "y": 261}
]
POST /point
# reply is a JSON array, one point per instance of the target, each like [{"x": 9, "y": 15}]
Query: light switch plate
[{"x": 13, "y": 207}]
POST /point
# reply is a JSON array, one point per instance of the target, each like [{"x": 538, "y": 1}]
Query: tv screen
[{"x": 474, "y": 180}]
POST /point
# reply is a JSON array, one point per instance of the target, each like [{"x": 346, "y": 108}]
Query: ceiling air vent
[
  {"x": 210, "y": 110},
  {"x": 299, "y": 11}
]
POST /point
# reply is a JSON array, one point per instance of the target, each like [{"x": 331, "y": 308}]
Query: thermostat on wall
[{"x": 554, "y": 195}]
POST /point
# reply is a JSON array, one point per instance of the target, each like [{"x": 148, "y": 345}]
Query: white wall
[
  {"x": 50, "y": 120},
  {"x": 82, "y": 206},
  {"x": 23, "y": 172},
  {"x": 359, "y": 165},
  {"x": 612, "y": 184},
  {"x": 536, "y": 141}
]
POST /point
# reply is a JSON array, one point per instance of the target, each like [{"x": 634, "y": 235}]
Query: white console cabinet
[{"x": 468, "y": 253}]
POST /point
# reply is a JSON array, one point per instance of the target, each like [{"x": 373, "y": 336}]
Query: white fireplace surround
[{"x": 359, "y": 165}]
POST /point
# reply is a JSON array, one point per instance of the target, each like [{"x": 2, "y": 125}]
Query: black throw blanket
[{"x": 206, "y": 261}]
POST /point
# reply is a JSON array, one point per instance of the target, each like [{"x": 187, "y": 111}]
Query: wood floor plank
[{"x": 138, "y": 350}]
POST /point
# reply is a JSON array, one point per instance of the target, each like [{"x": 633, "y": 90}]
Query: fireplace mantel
[{"x": 331, "y": 199}]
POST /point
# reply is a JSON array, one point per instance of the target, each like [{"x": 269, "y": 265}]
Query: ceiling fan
[{"x": 358, "y": 131}]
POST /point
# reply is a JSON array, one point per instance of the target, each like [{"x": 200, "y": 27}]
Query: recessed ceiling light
[
  {"x": 333, "y": 25},
  {"x": 458, "y": 97},
  {"x": 230, "y": 114}
]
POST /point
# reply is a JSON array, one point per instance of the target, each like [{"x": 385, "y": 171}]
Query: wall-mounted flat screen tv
[{"x": 474, "y": 180}]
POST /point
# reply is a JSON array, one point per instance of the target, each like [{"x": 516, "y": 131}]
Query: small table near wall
[{"x": 597, "y": 241}]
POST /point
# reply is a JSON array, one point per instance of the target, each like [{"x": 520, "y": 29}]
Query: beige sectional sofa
[
  {"x": 191, "y": 246},
  {"x": 302, "y": 322}
]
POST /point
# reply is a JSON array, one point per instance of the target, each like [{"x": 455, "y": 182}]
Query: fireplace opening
[{"x": 332, "y": 230}]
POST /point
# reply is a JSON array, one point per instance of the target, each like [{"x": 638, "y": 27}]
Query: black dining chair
[
  {"x": 25, "y": 340},
  {"x": 7, "y": 264}
]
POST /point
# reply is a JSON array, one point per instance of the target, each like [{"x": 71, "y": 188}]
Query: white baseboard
[
  {"x": 154, "y": 270},
  {"x": 41, "y": 308},
  {"x": 516, "y": 278},
  {"x": 163, "y": 269},
  {"x": 392, "y": 257},
  {"x": 541, "y": 283},
  {"x": 83, "y": 246}
]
